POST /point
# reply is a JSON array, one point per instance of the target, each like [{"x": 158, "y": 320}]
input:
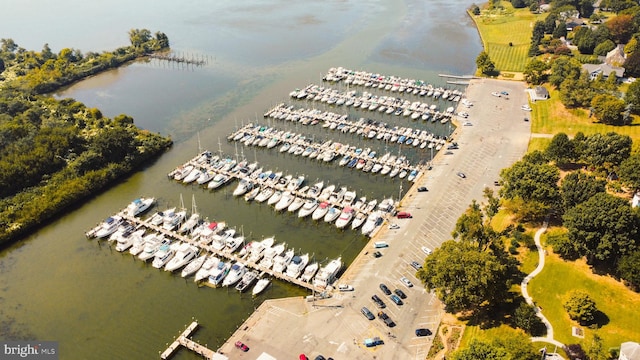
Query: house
[
  {"x": 573, "y": 23},
  {"x": 616, "y": 57},
  {"x": 629, "y": 351},
  {"x": 605, "y": 69},
  {"x": 635, "y": 202}
]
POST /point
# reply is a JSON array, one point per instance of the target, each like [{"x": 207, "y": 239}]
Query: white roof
[
  {"x": 218, "y": 356},
  {"x": 265, "y": 356}
]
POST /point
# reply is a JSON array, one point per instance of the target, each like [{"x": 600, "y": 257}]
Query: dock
[
  {"x": 184, "y": 341},
  {"x": 171, "y": 57}
]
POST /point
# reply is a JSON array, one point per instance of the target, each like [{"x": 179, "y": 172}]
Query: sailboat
[{"x": 193, "y": 220}]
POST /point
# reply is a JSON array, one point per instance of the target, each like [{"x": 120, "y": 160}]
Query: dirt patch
[{"x": 447, "y": 338}]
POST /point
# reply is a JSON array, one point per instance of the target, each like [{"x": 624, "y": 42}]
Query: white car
[
  {"x": 467, "y": 124},
  {"x": 406, "y": 281},
  {"x": 496, "y": 94},
  {"x": 526, "y": 107},
  {"x": 426, "y": 250},
  {"x": 345, "y": 287},
  {"x": 463, "y": 114}
]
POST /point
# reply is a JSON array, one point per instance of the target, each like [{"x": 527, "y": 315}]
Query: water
[{"x": 99, "y": 304}]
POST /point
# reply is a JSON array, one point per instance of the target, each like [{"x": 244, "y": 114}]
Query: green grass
[
  {"x": 619, "y": 304},
  {"x": 506, "y": 35},
  {"x": 538, "y": 143},
  {"x": 485, "y": 335}
]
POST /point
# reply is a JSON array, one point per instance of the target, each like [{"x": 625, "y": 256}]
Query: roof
[
  {"x": 606, "y": 69},
  {"x": 630, "y": 350},
  {"x": 265, "y": 356},
  {"x": 542, "y": 91},
  {"x": 616, "y": 57}
]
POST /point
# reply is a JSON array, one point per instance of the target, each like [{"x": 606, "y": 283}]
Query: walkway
[{"x": 525, "y": 293}]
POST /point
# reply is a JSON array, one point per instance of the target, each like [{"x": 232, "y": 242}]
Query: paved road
[{"x": 335, "y": 327}]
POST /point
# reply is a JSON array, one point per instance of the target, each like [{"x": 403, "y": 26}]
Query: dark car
[
  {"x": 400, "y": 293},
  {"x": 240, "y": 345},
  {"x": 526, "y": 119},
  {"x": 320, "y": 357},
  {"x": 368, "y": 314},
  {"x": 385, "y": 289},
  {"x": 504, "y": 93},
  {"x": 416, "y": 265},
  {"x": 423, "y": 332},
  {"x": 396, "y": 299},
  {"x": 377, "y": 254},
  {"x": 387, "y": 320},
  {"x": 378, "y": 302},
  {"x": 422, "y": 189}
]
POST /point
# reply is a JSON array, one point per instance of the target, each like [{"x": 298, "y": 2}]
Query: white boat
[
  {"x": 109, "y": 226},
  {"x": 251, "y": 195},
  {"x": 412, "y": 175},
  {"x": 247, "y": 280},
  {"x": 158, "y": 217},
  {"x": 207, "y": 267},
  {"x": 309, "y": 271},
  {"x": 315, "y": 189},
  {"x": 151, "y": 247},
  {"x": 234, "y": 243},
  {"x": 205, "y": 177},
  {"x": 270, "y": 253},
  {"x": 171, "y": 221},
  {"x": 218, "y": 180},
  {"x": 190, "y": 224},
  {"x": 275, "y": 198},
  {"x": 192, "y": 176},
  {"x": 181, "y": 172},
  {"x": 320, "y": 211},
  {"x": 358, "y": 220},
  {"x": 296, "y": 204},
  {"x": 185, "y": 253},
  {"x": 327, "y": 274},
  {"x": 345, "y": 217},
  {"x": 258, "y": 248},
  {"x": 193, "y": 266},
  {"x": 209, "y": 231},
  {"x": 332, "y": 214},
  {"x": 296, "y": 266},
  {"x": 217, "y": 275},
  {"x": 349, "y": 198},
  {"x": 126, "y": 240},
  {"x": 219, "y": 239},
  {"x": 308, "y": 208},
  {"x": 140, "y": 243},
  {"x": 281, "y": 261},
  {"x": 243, "y": 187},
  {"x": 325, "y": 194},
  {"x": 140, "y": 205},
  {"x": 373, "y": 220},
  {"x": 265, "y": 194},
  {"x": 261, "y": 285},
  {"x": 285, "y": 200},
  {"x": 162, "y": 256},
  {"x": 235, "y": 274}
]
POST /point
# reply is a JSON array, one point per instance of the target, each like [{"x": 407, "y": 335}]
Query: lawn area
[
  {"x": 506, "y": 35},
  {"x": 538, "y": 143},
  {"x": 619, "y": 304}
]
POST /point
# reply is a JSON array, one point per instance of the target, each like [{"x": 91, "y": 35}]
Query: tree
[
  {"x": 564, "y": 68},
  {"x": 563, "y": 246},
  {"x": 514, "y": 346},
  {"x": 485, "y": 64},
  {"x": 577, "y": 187},
  {"x": 480, "y": 350},
  {"x": 538, "y": 32},
  {"x": 629, "y": 269},
  {"x": 525, "y": 318},
  {"x": 608, "y": 109},
  {"x": 550, "y": 23},
  {"x": 632, "y": 97},
  {"x": 560, "y": 31},
  {"x": 585, "y": 40},
  {"x": 560, "y": 149},
  {"x": 138, "y": 37},
  {"x": 585, "y": 7},
  {"x": 577, "y": 93},
  {"x": 114, "y": 144},
  {"x": 575, "y": 352},
  {"x": 535, "y": 71},
  {"x": 580, "y": 306},
  {"x": 464, "y": 277},
  {"x": 628, "y": 171},
  {"x": 603, "y": 228},
  {"x": 608, "y": 150},
  {"x": 621, "y": 28},
  {"x": 595, "y": 348},
  {"x": 531, "y": 182},
  {"x": 632, "y": 64},
  {"x": 604, "y": 47}
]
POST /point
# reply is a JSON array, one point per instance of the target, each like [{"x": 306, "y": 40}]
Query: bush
[{"x": 580, "y": 307}]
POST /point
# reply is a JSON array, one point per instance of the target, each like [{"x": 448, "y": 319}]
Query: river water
[{"x": 99, "y": 304}]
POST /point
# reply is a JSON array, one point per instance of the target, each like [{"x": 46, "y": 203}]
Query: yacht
[
  {"x": 345, "y": 217},
  {"x": 185, "y": 253},
  {"x": 358, "y": 220},
  {"x": 315, "y": 190},
  {"x": 162, "y": 256},
  {"x": 373, "y": 220},
  {"x": 308, "y": 208},
  {"x": 285, "y": 200},
  {"x": 327, "y": 274},
  {"x": 270, "y": 253},
  {"x": 309, "y": 272},
  {"x": 209, "y": 231},
  {"x": 217, "y": 275},
  {"x": 126, "y": 240},
  {"x": 275, "y": 198},
  {"x": 109, "y": 226},
  {"x": 243, "y": 187},
  {"x": 172, "y": 221},
  {"x": 320, "y": 211},
  {"x": 193, "y": 266},
  {"x": 192, "y": 176},
  {"x": 251, "y": 195},
  {"x": 235, "y": 274},
  {"x": 264, "y": 195},
  {"x": 261, "y": 285},
  {"x": 190, "y": 224},
  {"x": 219, "y": 239},
  {"x": 158, "y": 217},
  {"x": 296, "y": 266},
  {"x": 218, "y": 180},
  {"x": 140, "y": 205},
  {"x": 182, "y": 172},
  {"x": 247, "y": 280},
  {"x": 332, "y": 214},
  {"x": 207, "y": 267},
  {"x": 281, "y": 261},
  {"x": 234, "y": 243},
  {"x": 140, "y": 243},
  {"x": 258, "y": 248},
  {"x": 151, "y": 247},
  {"x": 349, "y": 198}
]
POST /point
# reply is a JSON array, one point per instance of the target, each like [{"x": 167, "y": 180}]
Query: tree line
[{"x": 55, "y": 153}]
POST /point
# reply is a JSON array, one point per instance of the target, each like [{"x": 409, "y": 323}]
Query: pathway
[{"x": 525, "y": 293}]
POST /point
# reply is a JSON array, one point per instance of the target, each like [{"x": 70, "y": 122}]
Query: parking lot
[{"x": 336, "y": 327}]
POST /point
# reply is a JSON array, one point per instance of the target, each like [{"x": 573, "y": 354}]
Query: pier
[
  {"x": 181, "y": 59},
  {"x": 183, "y": 340}
]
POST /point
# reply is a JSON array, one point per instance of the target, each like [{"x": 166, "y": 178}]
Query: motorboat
[
  {"x": 296, "y": 204},
  {"x": 294, "y": 184},
  {"x": 185, "y": 253},
  {"x": 261, "y": 285},
  {"x": 308, "y": 208},
  {"x": 126, "y": 240},
  {"x": 275, "y": 198},
  {"x": 349, "y": 198},
  {"x": 332, "y": 214},
  {"x": 193, "y": 266},
  {"x": 125, "y": 227},
  {"x": 412, "y": 175},
  {"x": 219, "y": 239},
  {"x": 251, "y": 195},
  {"x": 205, "y": 177},
  {"x": 326, "y": 193},
  {"x": 108, "y": 227},
  {"x": 297, "y": 265},
  {"x": 243, "y": 187},
  {"x": 281, "y": 261},
  {"x": 373, "y": 220},
  {"x": 285, "y": 200},
  {"x": 218, "y": 180},
  {"x": 327, "y": 274},
  {"x": 139, "y": 205},
  {"x": 235, "y": 274},
  {"x": 309, "y": 271},
  {"x": 258, "y": 248},
  {"x": 162, "y": 256},
  {"x": 320, "y": 211},
  {"x": 182, "y": 172},
  {"x": 157, "y": 218},
  {"x": 234, "y": 243},
  {"x": 247, "y": 280},
  {"x": 217, "y": 275},
  {"x": 315, "y": 190},
  {"x": 270, "y": 253},
  {"x": 209, "y": 231},
  {"x": 190, "y": 224},
  {"x": 345, "y": 217},
  {"x": 171, "y": 221},
  {"x": 192, "y": 176},
  {"x": 207, "y": 267},
  {"x": 358, "y": 220},
  {"x": 151, "y": 247},
  {"x": 140, "y": 243}
]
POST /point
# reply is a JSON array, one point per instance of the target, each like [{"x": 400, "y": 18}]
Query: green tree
[
  {"x": 608, "y": 109},
  {"x": 475, "y": 10},
  {"x": 606, "y": 150},
  {"x": 113, "y": 144},
  {"x": 577, "y": 187},
  {"x": 628, "y": 171},
  {"x": 632, "y": 97},
  {"x": 480, "y": 350},
  {"x": 535, "y": 71},
  {"x": 629, "y": 269},
  {"x": 603, "y": 228},
  {"x": 531, "y": 182},
  {"x": 514, "y": 346},
  {"x": 563, "y": 246},
  {"x": 584, "y": 39},
  {"x": 621, "y": 28},
  {"x": 525, "y": 318},
  {"x": 538, "y": 32},
  {"x": 564, "y": 68},
  {"x": 138, "y": 37},
  {"x": 604, "y": 47},
  {"x": 464, "y": 277},
  {"x": 560, "y": 31},
  {"x": 484, "y": 63},
  {"x": 577, "y": 93},
  {"x": 550, "y": 23},
  {"x": 595, "y": 348},
  {"x": 632, "y": 64},
  {"x": 560, "y": 149},
  {"x": 580, "y": 306}
]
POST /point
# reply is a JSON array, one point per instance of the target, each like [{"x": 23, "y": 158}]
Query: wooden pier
[
  {"x": 171, "y": 57},
  {"x": 183, "y": 340}
]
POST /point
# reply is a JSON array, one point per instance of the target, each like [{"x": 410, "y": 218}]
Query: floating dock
[{"x": 183, "y": 340}]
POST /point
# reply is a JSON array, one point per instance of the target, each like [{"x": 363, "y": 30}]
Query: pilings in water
[{"x": 182, "y": 59}]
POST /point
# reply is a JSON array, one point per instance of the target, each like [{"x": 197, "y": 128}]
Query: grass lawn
[
  {"x": 506, "y": 35},
  {"x": 619, "y": 305}
]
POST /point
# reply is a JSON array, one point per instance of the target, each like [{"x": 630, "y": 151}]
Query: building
[
  {"x": 629, "y": 351},
  {"x": 538, "y": 93},
  {"x": 605, "y": 69},
  {"x": 616, "y": 57}
]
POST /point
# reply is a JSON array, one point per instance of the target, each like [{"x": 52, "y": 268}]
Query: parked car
[
  {"x": 373, "y": 342},
  {"x": 240, "y": 345},
  {"x": 423, "y": 332},
  {"x": 387, "y": 320},
  {"x": 345, "y": 287},
  {"x": 526, "y": 119},
  {"x": 320, "y": 357},
  {"x": 400, "y": 293},
  {"x": 406, "y": 281},
  {"x": 526, "y": 107},
  {"x": 394, "y": 226},
  {"x": 378, "y": 302},
  {"x": 467, "y": 123},
  {"x": 396, "y": 299},
  {"x": 403, "y": 215},
  {"x": 461, "y": 174},
  {"x": 416, "y": 265},
  {"x": 367, "y": 313},
  {"x": 377, "y": 254},
  {"x": 496, "y": 94},
  {"x": 422, "y": 189},
  {"x": 504, "y": 93},
  {"x": 426, "y": 250},
  {"x": 385, "y": 289},
  {"x": 380, "y": 244},
  {"x": 303, "y": 357}
]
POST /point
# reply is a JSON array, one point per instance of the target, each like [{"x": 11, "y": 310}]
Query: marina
[{"x": 184, "y": 341}]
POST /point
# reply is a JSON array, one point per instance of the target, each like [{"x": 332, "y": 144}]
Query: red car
[
  {"x": 303, "y": 357},
  {"x": 403, "y": 215},
  {"x": 240, "y": 345}
]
